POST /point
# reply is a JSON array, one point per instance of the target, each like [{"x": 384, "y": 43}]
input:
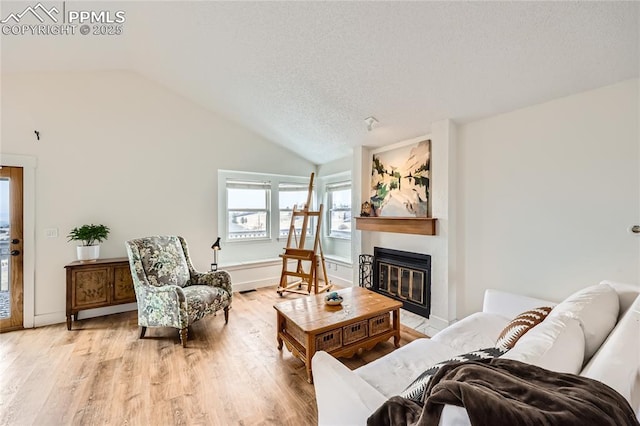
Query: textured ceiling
[{"x": 306, "y": 74}]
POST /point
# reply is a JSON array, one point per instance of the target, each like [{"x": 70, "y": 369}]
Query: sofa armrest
[
  {"x": 617, "y": 361},
  {"x": 343, "y": 397},
  {"x": 510, "y": 305}
]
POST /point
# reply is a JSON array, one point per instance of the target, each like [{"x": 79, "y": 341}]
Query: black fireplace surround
[{"x": 404, "y": 276}]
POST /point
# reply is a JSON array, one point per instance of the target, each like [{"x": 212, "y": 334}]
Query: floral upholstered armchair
[{"x": 169, "y": 291}]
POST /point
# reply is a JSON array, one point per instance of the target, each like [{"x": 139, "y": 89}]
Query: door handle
[
  {"x": 635, "y": 229},
  {"x": 14, "y": 252}
]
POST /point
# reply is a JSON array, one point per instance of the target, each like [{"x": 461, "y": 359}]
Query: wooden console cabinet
[{"x": 104, "y": 282}]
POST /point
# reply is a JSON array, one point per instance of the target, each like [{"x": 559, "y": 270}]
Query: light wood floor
[{"x": 101, "y": 373}]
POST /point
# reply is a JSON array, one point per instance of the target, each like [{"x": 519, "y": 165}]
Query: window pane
[
  {"x": 285, "y": 223},
  {"x": 245, "y": 225},
  {"x": 341, "y": 199},
  {"x": 340, "y": 224},
  {"x": 288, "y": 199},
  {"x": 240, "y": 198}
]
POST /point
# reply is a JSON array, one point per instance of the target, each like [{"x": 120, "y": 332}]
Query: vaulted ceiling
[{"x": 306, "y": 74}]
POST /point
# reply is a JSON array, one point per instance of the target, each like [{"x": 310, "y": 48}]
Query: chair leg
[
  {"x": 183, "y": 337},
  {"x": 143, "y": 330},
  {"x": 226, "y": 315}
]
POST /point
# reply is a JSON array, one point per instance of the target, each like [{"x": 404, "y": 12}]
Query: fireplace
[{"x": 404, "y": 276}]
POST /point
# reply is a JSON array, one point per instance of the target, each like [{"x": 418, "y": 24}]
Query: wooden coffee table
[{"x": 363, "y": 319}]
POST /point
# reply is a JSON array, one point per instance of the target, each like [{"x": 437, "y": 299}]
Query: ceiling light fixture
[{"x": 371, "y": 122}]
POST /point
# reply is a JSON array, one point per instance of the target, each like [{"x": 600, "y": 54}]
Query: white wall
[
  {"x": 121, "y": 150},
  {"x": 547, "y": 194}
]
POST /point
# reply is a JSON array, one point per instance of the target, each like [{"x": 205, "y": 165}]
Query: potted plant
[{"x": 91, "y": 237}]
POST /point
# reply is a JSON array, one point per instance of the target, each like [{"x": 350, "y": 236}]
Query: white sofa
[{"x": 594, "y": 332}]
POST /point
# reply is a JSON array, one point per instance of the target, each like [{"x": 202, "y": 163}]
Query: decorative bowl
[{"x": 333, "y": 299}]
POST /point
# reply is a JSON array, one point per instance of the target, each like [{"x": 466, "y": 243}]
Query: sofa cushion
[
  {"x": 518, "y": 326},
  {"x": 415, "y": 391},
  {"x": 556, "y": 344},
  {"x": 478, "y": 330},
  {"x": 391, "y": 374},
  {"x": 596, "y": 310},
  {"x": 617, "y": 362}
]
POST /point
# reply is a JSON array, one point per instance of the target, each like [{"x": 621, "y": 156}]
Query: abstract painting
[{"x": 400, "y": 181}]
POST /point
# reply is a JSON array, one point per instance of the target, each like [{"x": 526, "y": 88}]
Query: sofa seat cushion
[
  {"x": 392, "y": 373},
  {"x": 477, "y": 331},
  {"x": 204, "y": 300},
  {"x": 416, "y": 390},
  {"x": 557, "y": 344},
  {"x": 596, "y": 310}
]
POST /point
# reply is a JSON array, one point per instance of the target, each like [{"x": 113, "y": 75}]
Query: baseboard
[
  {"x": 252, "y": 285},
  {"x": 49, "y": 319},
  {"x": 61, "y": 317},
  {"x": 340, "y": 281},
  {"x": 438, "y": 323}
]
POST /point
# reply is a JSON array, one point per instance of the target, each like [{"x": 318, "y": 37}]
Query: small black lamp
[{"x": 216, "y": 248}]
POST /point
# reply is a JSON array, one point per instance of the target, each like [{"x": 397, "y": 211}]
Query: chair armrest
[
  {"x": 343, "y": 397},
  {"x": 510, "y": 305},
  {"x": 220, "y": 279},
  {"x": 163, "y": 306}
]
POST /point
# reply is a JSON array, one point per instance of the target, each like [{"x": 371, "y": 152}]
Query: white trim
[
  {"x": 252, "y": 285},
  {"x": 250, "y": 264},
  {"x": 343, "y": 261},
  {"x": 438, "y": 323},
  {"x": 29, "y": 165},
  {"x": 49, "y": 319},
  {"x": 340, "y": 281}
]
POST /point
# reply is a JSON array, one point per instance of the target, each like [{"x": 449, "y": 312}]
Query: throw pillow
[
  {"x": 415, "y": 391},
  {"x": 520, "y": 325},
  {"x": 596, "y": 308},
  {"x": 556, "y": 344}
]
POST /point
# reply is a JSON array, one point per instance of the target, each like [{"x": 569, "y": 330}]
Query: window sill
[
  {"x": 343, "y": 261},
  {"x": 251, "y": 264}
]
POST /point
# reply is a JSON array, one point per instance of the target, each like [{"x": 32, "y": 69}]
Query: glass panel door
[
  {"x": 5, "y": 291},
  {"x": 11, "y": 247}
]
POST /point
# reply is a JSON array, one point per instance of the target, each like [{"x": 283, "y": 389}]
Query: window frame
[
  {"x": 294, "y": 187},
  {"x": 273, "y": 238},
  {"x": 250, "y": 184},
  {"x": 330, "y": 188}
]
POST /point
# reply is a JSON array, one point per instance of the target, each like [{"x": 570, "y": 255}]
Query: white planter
[{"x": 88, "y": 253}]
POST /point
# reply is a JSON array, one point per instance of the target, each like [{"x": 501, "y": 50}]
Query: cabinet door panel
[
  {"x": 91, "y": 287},
  {"x": 123, "y": 285}
]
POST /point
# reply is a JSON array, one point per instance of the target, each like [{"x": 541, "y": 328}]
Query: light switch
[{"x": 51, "y": 232}]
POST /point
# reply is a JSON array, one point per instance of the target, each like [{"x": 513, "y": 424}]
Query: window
[
  {"x": 290, "y": 195},
  {"x": 339, "y": 201},
  {"x": 248, "y": 209}
]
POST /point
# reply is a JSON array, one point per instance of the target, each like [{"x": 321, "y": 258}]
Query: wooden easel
[{"x": 303, "y": 257}]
